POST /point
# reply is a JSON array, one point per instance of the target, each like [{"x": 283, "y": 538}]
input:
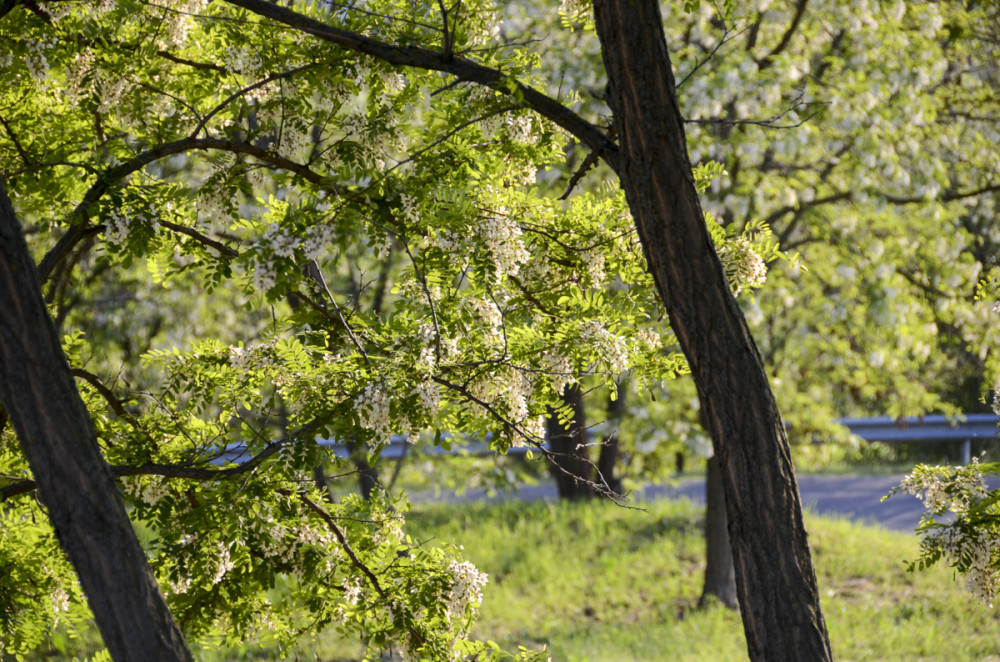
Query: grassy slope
[
  {"x": 594, "y": 582},
  {"x": 597, "y": 582}
]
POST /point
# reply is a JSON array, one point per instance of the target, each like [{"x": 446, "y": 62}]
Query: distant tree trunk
[
  {"x": 720, "y": 574},
  {"x": 73, "y": 481},
  {"x": 368, "y": 479},
  {"x": 571, "y": 468},
  {"x": 611, "y": 447},
  {"x": 776, "y": 583}
]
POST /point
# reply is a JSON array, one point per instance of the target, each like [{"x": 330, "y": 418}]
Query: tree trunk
[
  {"x": 775, "y": 580},
  {"x": 720, "y": 575},
  {"x": 571, "y": 466},
  {"x": 74, "y": 483},
  {"x": 610, "y": 447}
]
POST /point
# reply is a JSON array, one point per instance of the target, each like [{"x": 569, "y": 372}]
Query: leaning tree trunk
[
  {"x": 74, "y": 482},
  {"x": 776, "y": 583},
  {"x": 571, "y": 466}
]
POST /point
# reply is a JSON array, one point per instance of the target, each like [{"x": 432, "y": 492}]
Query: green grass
[
  {"x": 595, "y": 582},
  {"x": 598, "y": 582}
]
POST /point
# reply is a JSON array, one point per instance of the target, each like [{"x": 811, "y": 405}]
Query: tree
[
  {"x": 173, "y": 118},
  {"x": 262, "y": 122},
  {"x": 87, "y": 514}
]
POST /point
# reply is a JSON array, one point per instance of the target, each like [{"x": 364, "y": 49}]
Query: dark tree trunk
[
  {"x": 571, "y": 468},
  {"x": 74, "y": 483},
  {"x": 368, "y": 479},
  {"x": 775, "y": 579},
  {"x": 611, "y": 447},
  {"x": 720, "y": 574}
]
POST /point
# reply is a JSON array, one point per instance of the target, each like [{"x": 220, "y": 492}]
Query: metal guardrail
[{"x": 926, "y": 429}]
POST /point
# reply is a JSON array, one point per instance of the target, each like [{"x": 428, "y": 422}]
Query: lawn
[{"x": 596, "y": 582}]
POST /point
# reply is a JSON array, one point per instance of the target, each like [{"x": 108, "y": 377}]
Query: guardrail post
[{"x": 966, "y": 452}]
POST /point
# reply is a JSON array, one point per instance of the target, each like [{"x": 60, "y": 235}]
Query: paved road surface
[
  {"x": 858, "y": 497},
  {"x": 854, "y": 496}
]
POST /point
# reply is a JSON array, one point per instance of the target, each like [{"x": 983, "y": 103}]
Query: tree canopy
[{"x": 257, "y": 226}]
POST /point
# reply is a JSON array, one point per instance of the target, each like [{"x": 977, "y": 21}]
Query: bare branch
[{"x": 316, "y": 275}]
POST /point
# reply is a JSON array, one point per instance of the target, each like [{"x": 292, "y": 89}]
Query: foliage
[
  {"x": 864, "y": 135},
  {"x": 391, "y": 265}
]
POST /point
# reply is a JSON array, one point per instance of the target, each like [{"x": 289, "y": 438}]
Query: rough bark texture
[
  {"x": 572, "y": 468},
  {"x": 720, "y": 575},
  {"x": 75, "y": 484},
  {"x": 776, "y": 583}
]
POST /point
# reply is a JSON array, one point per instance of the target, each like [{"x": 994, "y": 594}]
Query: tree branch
[
  {"x": 238, "y": 93},
  {"x": 800, "y": 9},
  {"x": 462, "y": 68},
  {"x": 112, "y": 176},
  {"x": 947, "y": 196}
]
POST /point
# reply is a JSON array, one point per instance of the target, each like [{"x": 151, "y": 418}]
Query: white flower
[
  {"x": 467, "y": 586},
  {"x": 352, "y": 591},
  {"x": 560, "y": 371},
  {"x": 743, "y": 266},
  {"x": 372, "y": 408},
  {"x": 225, "y": 564},
  {"x": 500, "y": 235}
]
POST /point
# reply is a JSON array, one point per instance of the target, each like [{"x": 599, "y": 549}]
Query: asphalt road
[{"x": 855, "y": 496}]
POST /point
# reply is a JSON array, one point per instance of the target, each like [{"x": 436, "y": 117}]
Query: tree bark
[
  {"x": 611, "y": 447},
  {"x": 571, "y": 466},
  {"x": 720, "y": 575},
  {"x": 776, "y": 583},
  {"x": 74, "y": 483}
]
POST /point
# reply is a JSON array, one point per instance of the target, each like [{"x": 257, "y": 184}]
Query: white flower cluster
[
  {"x": 612, "y": 349},
  {"x": 488, "y": 312},
  {"x": 560, "y": 371},
  {"x": 743, "y": 266},
  {"x": 242, "y": 358},
  {"x": 116, "y": 227},
  {"x": 318, "y": 238},
  {"x": 534, "y": 428},
  {"x": 594, "y": 261},
  {"x": 519, "y": 128},
  {"x": 352, "y": 591},
  {"x": 181, "y": 585},
  {"x": 971, "y": 553},
  {"x": 280, "y": 241},
  {"x": 110, "y": 90},
  {"x": 225, "y": 564},
  {"x": 466, "y": 588},
  {"x": 507, "y": 391},
  {"x": 429, "y": 395},
  {"x": 175, "y": 28},
  {"x": 35, "y": 61},
  {"x": 394, "y": 82},
  {"x": 954, "y": 494},
  {"x": 60, "y": 600},
  {"x": 973, "y": 550},
  {"x": 650, "y": 339},
  {"x": 243, "y": 60},
  {"x": 149, "y": 491},
  {"x": 409, "y": 207},
  {"x": 372, "y": 407},
  {"x": 501, "y": 236}
]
